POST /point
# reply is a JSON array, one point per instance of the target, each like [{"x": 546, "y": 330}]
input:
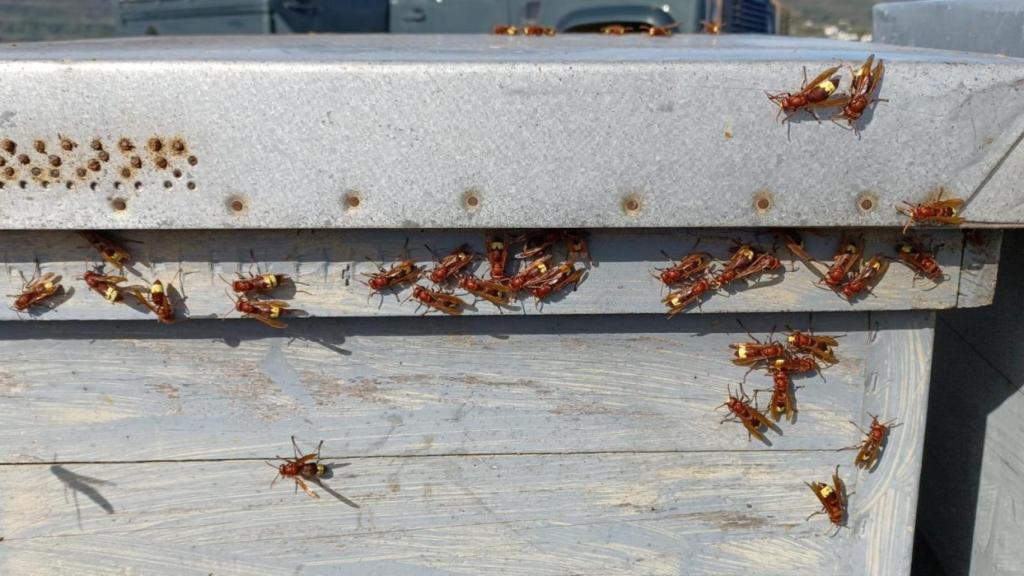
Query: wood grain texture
[
  {"x": 980, "y": 268},
  {"x": 403, "y": 386},
  {"x": 566, "y": 445},
  {"x": 331, "y": 265}
]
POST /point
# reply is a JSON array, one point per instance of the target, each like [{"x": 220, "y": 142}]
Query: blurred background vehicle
[{"x": 178, "y": 17}]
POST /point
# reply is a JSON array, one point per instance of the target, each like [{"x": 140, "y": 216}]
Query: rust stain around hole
[
  {"x": 161, "y": 162},
  {"x": 236, "y": 204},
  {"x": 631, "y": 204},
  {"x": 352, "y": 200},
  {"x": 40, "y": 146},
  {"x": 94, "y": 165},
  {"x": 178, "y": 146},
  {"x": 867, "y": 202},
  {"x": 126, "y": 172},
  {"x": 36, "y": 170},
  {"x": 136, "y": 162},
  {"x": 8, "y": 146},
  {"x": 155, "y": 144},
  {"x": 54, "y": 173},
  {"x": 67, "y": 144},
  {"x": 23, "y": 158},
  {"x": 763, "y": 201},
  {"x": 55, "y": 160},
  {"x": 96, "y": 144},
  {"x": 102, "y": 155},
  {"x": 192, "y": 161},
  {"x": 119, "y": 204},
  {"x": 9, "y": 173},
  {"x": 125, "y": 145},
  {"x": 80, "y": 172}
]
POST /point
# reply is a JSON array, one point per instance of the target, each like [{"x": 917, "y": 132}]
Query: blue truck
[{"x": 180, "y": 17}]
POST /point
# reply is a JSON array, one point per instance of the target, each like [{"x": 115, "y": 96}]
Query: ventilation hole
[
  {"x": 67, "y": 144},
  {"x": 119, "y": 204},
  {"x": 46, "y": 184},
  {"x": 125, "y": 145},
  {"x": 471, "y": 199},
  {"x": 9, "y": 172},
  {"x": 631, "y": 205},
  {"x": 40, "y": 146},
  {"x": 23, "y": 159},
  {"x": 118, "y": 186},
  {"x": 867, "y": 202},
  {"x": 138, "y": 185},
  {"x": 94, "y": 185},
  {"x": 54, "y": 173},
  {"x": 168, "y": 184},
  {"x": 126, "y": 172},
  {"x": 161, "y": 162},
  {"x": 352, "y": 201},
  {"x": 177, "y": 146},
  {"x": 155, "y": 144},
  {"x": 1, "y": 185},
  {"x": 103, "y": 155},
  {"x": 81, "y": 172},
  {"x": 191, "y": 185},
  {"x": 36, "y": 170},
  {"x": 22, "y": 184},
  {"x": 96, "y": 144},
  {"x": 236, "y": 204},
  {"x": 192, "y": 160},
  {"x": 9, "y": 146},
  {"x": 94, "y": 165},
  {"x": 69, "y": 185},
  {"x": 136, "y": 162},
  {"x": 763, "y": 201},
  {"x": 54, "y": 160},
  {"x": 3, "y": 162},
  {"x": 177, "y": 173}
]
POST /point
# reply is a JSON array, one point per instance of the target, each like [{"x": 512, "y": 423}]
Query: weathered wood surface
[
  {"x": 330, "y": 265},
  {"x": 571, "y": 445}
]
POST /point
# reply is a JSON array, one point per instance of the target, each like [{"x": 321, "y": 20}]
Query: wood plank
[
  {"x": 206, "y": 389},
  {"x": 652, "y": 514},
  {"x": 897, "y": 372},
  {"x": 331, "y": 264},
  {"x": 980, "y": 268}
]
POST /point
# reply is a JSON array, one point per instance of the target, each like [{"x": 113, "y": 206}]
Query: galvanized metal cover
[{"x": 482, "y": 131}]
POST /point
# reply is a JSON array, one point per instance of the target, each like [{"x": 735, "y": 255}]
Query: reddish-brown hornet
[
  {"x": 158, "y": 302},
  {"x": 794, "y": 364},
  {"x": 36, "y": 290},
  {"x": 747, "y": 353},
  {"x": 832, "y": 498},
  {"x": 690, "y": 266},
  {"x": 497, "y": 255},
  {"x": 871, "y": 448},
  {"x": 302, "y": 468},
  {"x": 818, "y": 93},
  {"x": 870, "y": 273},
  {"x": 404, "y": 272},
  {"x": 818, "y": 346},
  {"x": 846, "y": 258},
  {"x": 746, "y": 262},
  {"x": 268, "y": 312},
  {"x": 659, "y": 30},
  {"x": 111, "y": 252},
  {"x": 446, "y": 303},
  {"x": 920, "y": 260},
  {"x": 782, "y": 401},
  {"x": 105, "y": 285},
  {"x": 494, "y": 292},
  {"x": 559, "y": 278},
  {"x": 681, "y": 299},
  {"x": 533, "y": 30},
  {"x": 614, "y": 29},
  {"x": 937, "y": 211},
  {"x": 863, "y": 86},
  {"x": 452, "y": 264},
  {"x": 506, "y": 30},
  {"x": 536, "y": 269},
  {"x": 751, "y": 418}
]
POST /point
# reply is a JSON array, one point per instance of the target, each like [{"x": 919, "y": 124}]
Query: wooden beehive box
[{"x": 577, "y": 438}]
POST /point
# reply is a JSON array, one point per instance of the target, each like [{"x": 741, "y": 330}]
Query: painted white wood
[
  {"x": 568, "y": 445},
  {"x": 331, "y": 264}
]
